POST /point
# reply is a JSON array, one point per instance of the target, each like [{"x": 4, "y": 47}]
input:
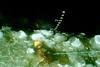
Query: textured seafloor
[{"x": 17, "y": 49}]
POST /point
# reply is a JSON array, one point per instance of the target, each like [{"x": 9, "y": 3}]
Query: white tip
[
  {"x": 30, "y": 51},
  {"x": 37, "y": 36},
  {"x": 63, "y": 11},
  {"x": 76, "y": 43},
  {"x": 97, "y": 39},
  {"x": 22, "y": 34}
]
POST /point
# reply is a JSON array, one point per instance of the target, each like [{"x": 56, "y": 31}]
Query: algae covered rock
[{"x": 43, "y": 48}]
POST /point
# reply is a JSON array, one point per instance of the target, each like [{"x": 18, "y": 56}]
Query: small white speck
[
  {"x": 30, "y": 51},
  {"x": 62, "y": 15},
  {"x": 63, "y": 11},
  {"x": 82, "y": 33},
  {"x": 61, "y": 18},
  {"x": 59, "y": 65}
]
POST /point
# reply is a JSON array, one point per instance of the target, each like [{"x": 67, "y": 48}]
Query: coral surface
[{"x": 44, "y": 48}]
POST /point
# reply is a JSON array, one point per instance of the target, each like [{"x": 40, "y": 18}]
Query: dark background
[{"x": 76, "y": 20}]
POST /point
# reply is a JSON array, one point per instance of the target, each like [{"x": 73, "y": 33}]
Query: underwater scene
[{"x": 45, "y": 44}]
